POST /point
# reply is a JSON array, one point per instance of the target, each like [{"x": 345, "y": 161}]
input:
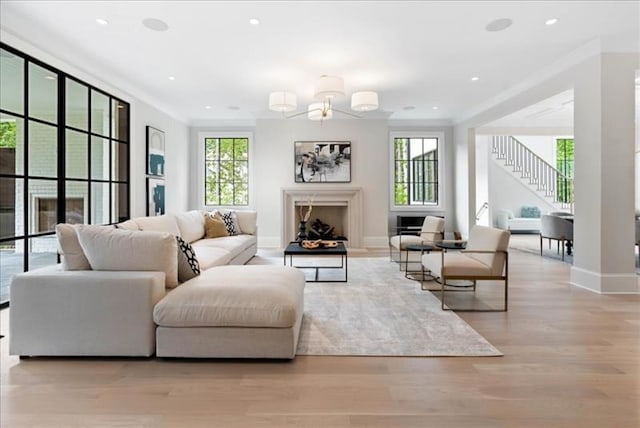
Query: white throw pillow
[
  {"x": 73, "y": 257},
  {"x": 247, "y": 220},
  {"x": 128, "y": 250},
  {"x": 163, "y": 223},
  {"x": 191, "y": 225}
]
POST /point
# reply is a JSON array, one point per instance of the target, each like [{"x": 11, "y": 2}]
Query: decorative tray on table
[{"x": 319, "y": 243}]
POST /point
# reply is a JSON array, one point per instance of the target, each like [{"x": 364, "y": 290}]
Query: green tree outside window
[{"x": 226, "y": 171}]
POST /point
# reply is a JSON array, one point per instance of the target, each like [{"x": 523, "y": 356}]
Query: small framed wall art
[
  {"x": 322, "y": 161},
  {"x": 155, "y": 152},
  {"x": 155, "y": 196}
]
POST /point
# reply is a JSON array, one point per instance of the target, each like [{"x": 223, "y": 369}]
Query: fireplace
[{"x": 341, "y": 207}]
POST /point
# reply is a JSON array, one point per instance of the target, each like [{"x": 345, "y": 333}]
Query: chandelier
[{"x": 327, "y": 89}]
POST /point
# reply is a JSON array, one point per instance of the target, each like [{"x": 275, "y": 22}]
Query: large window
[
  {"x": 226, "y": 171},
  {"x": 565, "y": 165},
  {"x": 416, "y": 175},
  {"x": 64, "y": 157}
]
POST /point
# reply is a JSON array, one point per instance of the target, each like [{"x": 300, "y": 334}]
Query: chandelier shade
[
  {"x": 364, "y": 101},
  {"x": 326, "y": 91},
  {"x": 329, "y": 87},
  {"x": 282, "y": 101}
]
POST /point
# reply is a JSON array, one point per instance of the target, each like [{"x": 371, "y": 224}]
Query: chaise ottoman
[{"x": 232, "y": 312}]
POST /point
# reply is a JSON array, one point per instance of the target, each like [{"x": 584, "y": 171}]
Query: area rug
[{"x": 380, "y": 313}]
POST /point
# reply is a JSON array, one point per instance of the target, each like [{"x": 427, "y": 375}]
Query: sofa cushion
[
  {"x": 214, "y": 226},
  {"x": 188, "y": 266},
  {"x": 233, "y": 244},
  {"x": 163, "y": 223},
  {"x": 191, "y": 225},
  {"x": 128, "y": 225},
  {"x": 73, "y": 257},
  {"x": 235, "y": 296},
  {"x": 209, "y": 257},
  {"x": 127, "y": 250},
  {"x": 247, "y": 220}
]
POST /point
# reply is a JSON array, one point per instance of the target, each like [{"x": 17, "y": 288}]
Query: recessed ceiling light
[
  {"x": 254, "y": 21},
  {"x": 551, "y": 21},
  {"x": 409, "y": 108},
  {"x": 475, "y": 78},
  {"x": 435, "y": 107},
  {"x": 207, "y": 107},
  {"x": 172, "y": 78},
  {"x": 499, "y": 24},
  {"x": 102, "y": 21},
  {"x": 155, "y": 24},
  {"x": 233, "y": 108}
]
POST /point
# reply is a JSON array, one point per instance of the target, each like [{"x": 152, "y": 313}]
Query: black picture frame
[
  {"x": 155, "y": 196},
  {"x": 155, "y": 152},
  {"x": 322, "y": 161}
]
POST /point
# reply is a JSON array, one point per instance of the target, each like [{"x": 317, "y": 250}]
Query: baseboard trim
[{"x": 605, "y": 283}]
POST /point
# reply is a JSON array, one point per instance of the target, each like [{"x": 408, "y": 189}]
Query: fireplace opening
[
  {"x": 321, "y": 230},
  {"x": 329, "y": 220}
]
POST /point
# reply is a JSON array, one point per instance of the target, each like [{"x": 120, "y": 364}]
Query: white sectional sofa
[{"x": 120, "y": 301}]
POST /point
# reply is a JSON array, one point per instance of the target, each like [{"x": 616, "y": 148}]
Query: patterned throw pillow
[
  {"x": 530, "y": 212},
  {"x": 188, "y": 266},
  {"x": 231, "y": 222}
]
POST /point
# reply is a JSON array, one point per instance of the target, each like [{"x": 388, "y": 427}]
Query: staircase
[{"x": 546, "y": 180}]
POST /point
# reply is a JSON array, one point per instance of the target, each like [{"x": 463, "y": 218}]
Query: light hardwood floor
[{"x": 572, "y": 359}]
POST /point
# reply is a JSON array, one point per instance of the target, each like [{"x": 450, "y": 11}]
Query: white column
[{"x": 604, "y": 132}]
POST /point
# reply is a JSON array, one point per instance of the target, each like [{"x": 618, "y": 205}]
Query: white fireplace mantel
[{"x": 325, "y": 196}]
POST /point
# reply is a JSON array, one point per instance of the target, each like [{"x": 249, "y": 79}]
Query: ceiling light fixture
[
  {"x": 155, "y": 24},
  {"x": 254, "y": 21},
  {"x": 171, "y": 78},
  {"x": 499, "y": 25},
  {"x": 551, "y": 21},
  {"x": 327, "y": 89},
  {"x": 207, "y": 107},
  {"x": 475, "y": 78},
  {"x": 102, "y": 21},
  {"x": 435, "y": 107}
]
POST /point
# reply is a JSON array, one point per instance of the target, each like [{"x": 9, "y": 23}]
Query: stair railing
[
  {"x": 540, "y": 173},
  {"x": 481, "y": 211}
]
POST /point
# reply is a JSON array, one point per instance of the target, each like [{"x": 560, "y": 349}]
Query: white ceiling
[{"x": 420, "y": 54}]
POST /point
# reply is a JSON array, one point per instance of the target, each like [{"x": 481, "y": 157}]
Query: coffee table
[{"x": 295, "y": 249}]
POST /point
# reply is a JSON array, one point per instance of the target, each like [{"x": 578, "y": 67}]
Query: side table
[{"x": 413, "y": 248}]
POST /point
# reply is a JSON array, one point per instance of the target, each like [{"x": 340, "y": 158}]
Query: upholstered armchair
[
  {"x": 432, "y": 230},
  {"x": 557, "y": 228},
  {"x": 486, "y": 258}
]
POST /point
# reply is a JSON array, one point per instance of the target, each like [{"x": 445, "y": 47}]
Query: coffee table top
[{"x": 295, "y": 248}]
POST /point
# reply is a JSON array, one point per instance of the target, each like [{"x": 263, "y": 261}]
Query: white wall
[
  {"x": 142, "y": 114},
  {"x": 273, "y": 168},
  {"x": 177, "y": 170}
]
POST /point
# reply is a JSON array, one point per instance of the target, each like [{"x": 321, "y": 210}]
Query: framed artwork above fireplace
[{"x": 322, "y": 161}]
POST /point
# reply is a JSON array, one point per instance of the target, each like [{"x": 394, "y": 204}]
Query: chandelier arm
[
  {"x": 348, "y": 113},
  {"x": 294, "y": 115}
]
